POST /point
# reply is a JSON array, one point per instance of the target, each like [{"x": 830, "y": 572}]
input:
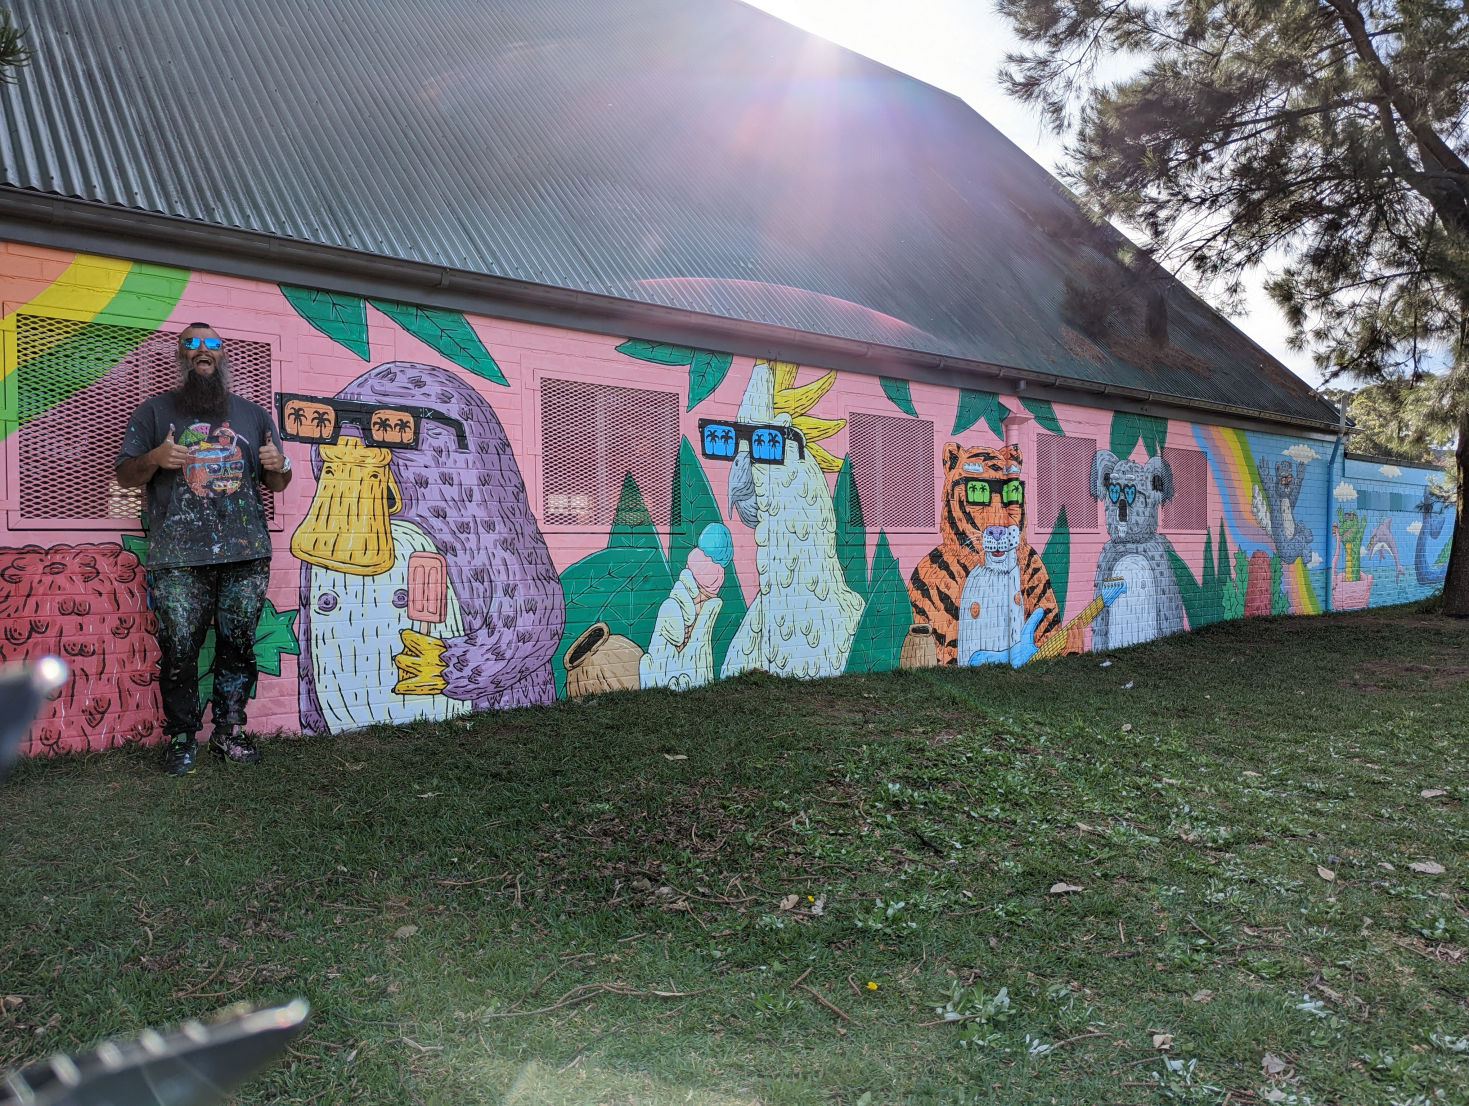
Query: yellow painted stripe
[{"x": 82, "y": 289}]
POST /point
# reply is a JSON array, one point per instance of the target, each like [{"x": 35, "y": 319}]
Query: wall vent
[
  {"x": 1189, "y": 507},
  {"x": 592, "y": 437},
  {"x": 1061, "y": 476},
  {"x": 76, "y": 385},
  {"x": 893, "y": 468}
]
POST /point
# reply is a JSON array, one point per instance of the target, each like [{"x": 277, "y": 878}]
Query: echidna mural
[{"x": 427, "y": 589}]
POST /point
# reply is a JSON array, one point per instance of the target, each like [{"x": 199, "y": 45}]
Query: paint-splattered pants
[{"x": 187, "y": 602}]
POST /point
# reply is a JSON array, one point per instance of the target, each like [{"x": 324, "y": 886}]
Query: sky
[{"x": 959, "y": 46}]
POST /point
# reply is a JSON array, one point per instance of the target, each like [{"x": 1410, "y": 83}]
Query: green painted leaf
[
  {"x": 206, "y": 668},
  {"x": 446, "y": 332},
  {"x": 1128, "y": 429},
  {"x": 878, "y": 643},
  {"x": 660, "y": 353},
  {"x": 1056, "y": 556},
  {"x": 1279, "y": 601},
  {"x": 1189, "y": 589},
  {"x": 137, "y": 545},
  {"x": 622, "y": 587},
  {"x": 695, "y": 509},
  {"x": 1044, "y": 414},
  {"x": 897, "y": 391},
  {"x": 851, "y": 535},
  {"x": 974, "y": 406},
  {"x": 275, "y": 635},
  {"x": 342, "y": 317},
  {"x": 707, "y": 370},
  {"x": 632, "y": 525}
]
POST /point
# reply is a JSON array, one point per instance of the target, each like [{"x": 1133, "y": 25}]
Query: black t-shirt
[{"x": 208, "y": 512}]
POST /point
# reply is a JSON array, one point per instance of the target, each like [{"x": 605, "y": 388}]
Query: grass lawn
[{"x": 1229, "y": 868}]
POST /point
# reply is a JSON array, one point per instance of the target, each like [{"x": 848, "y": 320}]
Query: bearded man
[{"x": 203, "y": 454}]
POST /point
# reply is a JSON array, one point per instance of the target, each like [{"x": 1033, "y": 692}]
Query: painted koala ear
[
  {"x": 1159, "y": 477},
  {"x": 1103, "y": 462}
]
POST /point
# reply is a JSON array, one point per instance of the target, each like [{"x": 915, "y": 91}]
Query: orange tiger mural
[{"x": 984, "y": 590}]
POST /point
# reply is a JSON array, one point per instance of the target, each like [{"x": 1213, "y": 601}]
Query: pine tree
[{"x": 1324, "y": 139}]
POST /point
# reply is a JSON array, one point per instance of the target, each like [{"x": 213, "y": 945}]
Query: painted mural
[
  {"x": 985, "y": 591},
  {"x": 421, "y": 573},
  {"x": 427, "y": 589},
  {"x": 1136, "y": 558}
]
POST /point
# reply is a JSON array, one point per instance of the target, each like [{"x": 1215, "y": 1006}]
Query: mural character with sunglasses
[
  {"x": 203, "y": 454},
  {"x": 427, "y": 590},
  {"x": 1150, "y": 606}
]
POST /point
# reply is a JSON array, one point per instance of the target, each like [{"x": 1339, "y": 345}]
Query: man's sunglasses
[
  {"x": 318, "y": 420},
  {"x": 195, "y": 343},
  {"x": 982, "y": 492},
  {"x": 1121, "y": 491},
  {"x": 721, "y": 440}
]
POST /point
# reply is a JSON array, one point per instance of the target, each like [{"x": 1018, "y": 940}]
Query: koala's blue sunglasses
[
  {"x": 207, "y": 343},
  {"x": 1121, "y": 491}
]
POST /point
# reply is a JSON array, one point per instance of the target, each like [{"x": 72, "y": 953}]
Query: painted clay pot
[
  {"x": 920, "y": 647},
  {"x": 599, "y": 660}
]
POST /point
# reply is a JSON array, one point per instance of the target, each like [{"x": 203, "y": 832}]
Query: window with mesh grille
[
  {"x": 593, "y": 437},
  {"x": 1061, "y": 476},
  {"x": 1189, "y": 507},
  {"x": 76, "y": 385},
  {"x": 893, "y": 467}
]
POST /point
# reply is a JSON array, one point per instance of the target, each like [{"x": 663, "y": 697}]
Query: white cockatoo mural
[{"x": 803, "y": 615}]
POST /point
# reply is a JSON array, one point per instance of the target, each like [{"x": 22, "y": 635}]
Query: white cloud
[
  {"x": 1315, "y": 561},
  {"x": 1345, "y": 491},
  {"x": 1302, "y": 452},
  {"x": 1390, "y": 471},
  {"x": 1413, "y": 527}
]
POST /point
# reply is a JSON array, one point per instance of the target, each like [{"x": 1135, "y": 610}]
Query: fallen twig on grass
[
  {"x": 205, "y": 982},
  {"x": 814, "y": 993}
]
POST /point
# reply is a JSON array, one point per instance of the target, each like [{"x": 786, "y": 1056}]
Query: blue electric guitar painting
[{"x": 1025, "y": 649}]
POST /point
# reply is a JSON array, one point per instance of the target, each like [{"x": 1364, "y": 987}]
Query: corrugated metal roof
[{"x": 695, "y": 154}]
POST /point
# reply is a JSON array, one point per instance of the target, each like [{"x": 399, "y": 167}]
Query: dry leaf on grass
[
  {"x": 674, "y": 756},
  {"x": 1203, "y": 995},
  {"x": 789, "y": 902},
  {"x": 1325, "y": 873},
  {"x": 1127, "y": 727},
  {"x": 1431, "y": 792},
  {"x": 1063, "y": 888},
  {"x": 1385, "y": 866},
  {"x": 405, "y": 931},
  {"x": 1427, "y": 867},
  {"x": 1163, "y": 1041},
  {"x": 1271, "y": 1064}
]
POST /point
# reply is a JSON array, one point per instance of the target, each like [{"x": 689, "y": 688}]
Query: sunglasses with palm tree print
[{"x": 318, "y": 420}]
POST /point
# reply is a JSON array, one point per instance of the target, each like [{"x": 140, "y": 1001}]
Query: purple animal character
[{"x": 427, "y": 589}]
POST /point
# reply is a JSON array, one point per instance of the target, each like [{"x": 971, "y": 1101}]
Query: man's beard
[{"x": 203, "y": 397}]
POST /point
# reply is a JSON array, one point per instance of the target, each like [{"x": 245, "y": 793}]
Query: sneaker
[
  {"x": 178, "y": 757},
  {"x": 234, "y": 744}
]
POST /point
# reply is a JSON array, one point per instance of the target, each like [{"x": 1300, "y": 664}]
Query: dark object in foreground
[
  {"x": 23, "y": 687},
  {"x": 191, "y": 1065}
]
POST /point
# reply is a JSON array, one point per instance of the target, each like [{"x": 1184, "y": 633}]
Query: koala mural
[
  {"x": 1274, "y": 509},
  {"x": 1150, "y": 606}
]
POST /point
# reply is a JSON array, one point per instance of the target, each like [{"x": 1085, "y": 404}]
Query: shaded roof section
[{"x": 695, "y": 154}]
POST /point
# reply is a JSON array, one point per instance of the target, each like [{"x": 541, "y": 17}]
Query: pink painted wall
[{"x": 806, "y": 590}]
